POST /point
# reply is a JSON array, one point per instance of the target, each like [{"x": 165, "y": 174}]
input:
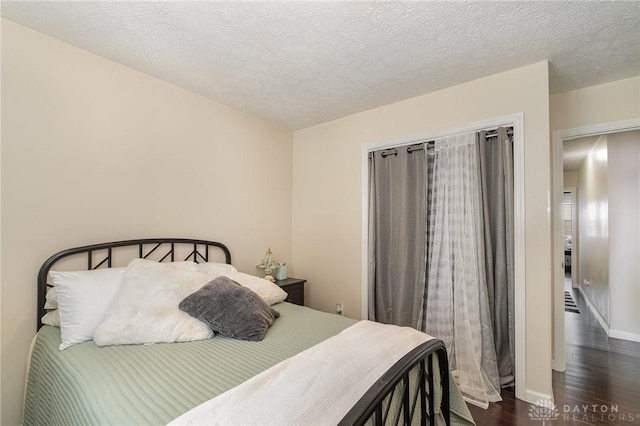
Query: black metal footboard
[{"x": 407, "y": 393}]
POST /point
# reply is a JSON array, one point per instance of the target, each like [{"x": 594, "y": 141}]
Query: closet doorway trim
[{"x": 517, "y": 122}]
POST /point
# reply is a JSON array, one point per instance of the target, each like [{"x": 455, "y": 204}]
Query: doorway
[
  {"x": 570, "y": 234},
  {"x": 559, "y": 138}
]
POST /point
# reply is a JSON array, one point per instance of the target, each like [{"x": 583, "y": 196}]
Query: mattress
[{"x": 153, "y": 384}]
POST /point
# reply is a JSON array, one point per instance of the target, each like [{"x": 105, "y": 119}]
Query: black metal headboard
[{"x": 101, "y": 256}]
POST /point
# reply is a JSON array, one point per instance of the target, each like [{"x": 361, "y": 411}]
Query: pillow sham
[
  {"x": 51, "y": 298},
  {"x": 51, "y": 318},
  {"x": 145, "y": 310},
  {"x": 269, "y": 292},
  {"x": 83, "y": 297},
  {"x": 215, "y": 270},
  {"x": 230, "y": 309}
]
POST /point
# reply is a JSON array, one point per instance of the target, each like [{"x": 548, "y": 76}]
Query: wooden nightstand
[{"x": 294, "y": 288}]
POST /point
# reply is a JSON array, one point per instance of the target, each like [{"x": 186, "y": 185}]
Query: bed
[{"x": 161, "y": 383}]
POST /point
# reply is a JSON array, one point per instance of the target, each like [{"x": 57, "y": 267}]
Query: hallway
[
  {"x": 601, "y": 384},
  {"x": 600, "y": 371}
]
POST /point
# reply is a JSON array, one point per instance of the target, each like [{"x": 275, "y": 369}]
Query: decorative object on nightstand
[
  {"x": 268, "y": 264},
  {"x": 281, "y": 272},
  {"x": 294, "y": 288}
]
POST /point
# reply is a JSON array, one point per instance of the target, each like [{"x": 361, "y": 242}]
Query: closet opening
[{"x": 439, "y": 256}]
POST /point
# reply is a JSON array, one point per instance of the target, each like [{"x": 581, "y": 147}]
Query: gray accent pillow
[{"x": 230, "y": 309}]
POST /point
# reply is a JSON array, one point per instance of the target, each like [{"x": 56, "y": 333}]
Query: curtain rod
[
  {"x": 419, "y": 146},
  {"x": 494, "y": 134}
]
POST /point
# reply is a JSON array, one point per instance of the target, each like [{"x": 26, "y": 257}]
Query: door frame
[
  {"x": 573, "y": 191},
  {"x": 517, "y": 122},
  {"x": 559, "y": 136}
]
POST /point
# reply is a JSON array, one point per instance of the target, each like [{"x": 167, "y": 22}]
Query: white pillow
[
  {"x": 214, "y": 270},
  {"x": 83, "y": 297},
  {"x": 145, "y": 309},
  {"x": 51, "y": 299},
  {"x": 269, "y": 292},
  {"x": 51, "y": 318}
]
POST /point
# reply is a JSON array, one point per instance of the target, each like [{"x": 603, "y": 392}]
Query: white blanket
[{"x": 317, "y": 386}]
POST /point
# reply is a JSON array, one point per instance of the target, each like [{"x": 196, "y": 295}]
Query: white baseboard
[
  {"x": 534, "y": 397},
  {"x": 624, "y": 335},
  {"x": 593, "y": 309},
  {"x": 557, "y": 366},
  {"x": 616, "y": 334}
]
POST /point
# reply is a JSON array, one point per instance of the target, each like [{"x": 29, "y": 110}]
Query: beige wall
[
  {"x": 93, "y": 151},
  {"x": 570, "y": 179},
  {"x": 624, "y": 233},
  {"x": 609, "y": 274},
  {"x": 605, "y": 103},
  {"x": 327, "y": 192},
  {"x": 1, "y": 22},
  {"x": 593, "y": 272}
]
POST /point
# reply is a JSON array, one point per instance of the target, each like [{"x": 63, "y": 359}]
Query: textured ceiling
[{"x": 298, "y": 64}]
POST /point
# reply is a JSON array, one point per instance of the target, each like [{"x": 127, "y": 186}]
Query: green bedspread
[{"x": 153, "y": 384}]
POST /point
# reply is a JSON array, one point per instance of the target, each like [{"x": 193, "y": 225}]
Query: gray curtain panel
[
  {"x": 430, "y": 177},
  {"x": 496, "y": 170},
  {"x": 397, "y": 226}
]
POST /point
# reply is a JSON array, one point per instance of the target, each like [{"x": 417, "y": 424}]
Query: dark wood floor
[{"x": 602, "y": 376}]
